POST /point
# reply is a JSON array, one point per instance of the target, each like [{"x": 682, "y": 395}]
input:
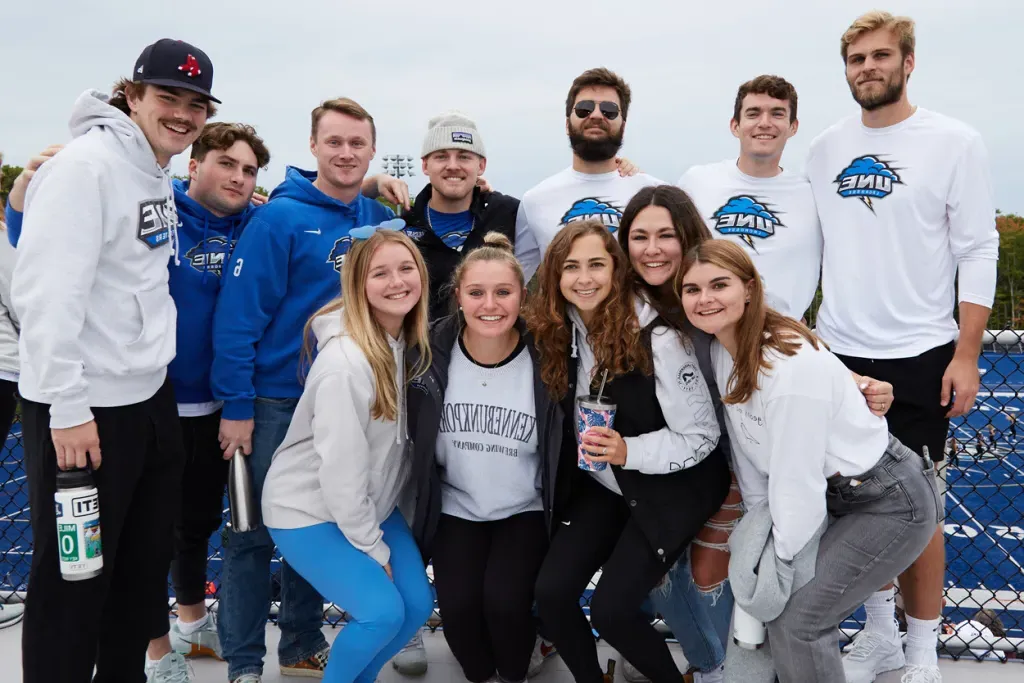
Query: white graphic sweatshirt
[{"x": 90, "y": 283}]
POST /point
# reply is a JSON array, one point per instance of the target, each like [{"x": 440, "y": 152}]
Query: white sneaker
[
  {"x": 11, "y": 614},
  {"x": 631, "y": 673},
  {"x": 170, "y": 669},
  {"x": 716, "y": 676},
  {"x": 412, "y": 659},
  {"x": 922, "y": 674},
  {"x": 542, "y": 650},
  {"x": 248, "y": 678},
  {"x": 872, "y": 654},
  {"x": 203, "y": 642}
]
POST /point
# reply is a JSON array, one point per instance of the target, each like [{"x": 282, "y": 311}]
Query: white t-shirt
[
  {"x": 571, "y": 196},
  {"x": 806, "y": 422},
  {"x": 901, "y": 209},
  {"x": 774, "y": 218},
  {"x": 487, "y": 441}
]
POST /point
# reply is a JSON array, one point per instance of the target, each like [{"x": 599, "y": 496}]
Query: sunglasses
[{"x": 585, "y": 108}]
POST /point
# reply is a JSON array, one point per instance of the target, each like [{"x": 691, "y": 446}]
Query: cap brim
[{"x": 170, "y": 83}]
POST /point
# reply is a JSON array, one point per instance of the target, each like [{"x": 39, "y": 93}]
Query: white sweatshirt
[
  {"x": 691, "y": 430},
  {"x": 337, "y": 464},
  {"x": 773, "y": 218},
  {"x": 90, "y": 284},
  {"x": 9, "y": 325},
  {"x": 805, "y": 422},
  {"x": 902, "y": 209},
  {"x": 571, "y": 196}
]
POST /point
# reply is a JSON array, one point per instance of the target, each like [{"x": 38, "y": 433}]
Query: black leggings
[
  {"x": 597, "y": 529},
  {"x": 8, "y": 405},
  {"x": 484, "y": 574}
]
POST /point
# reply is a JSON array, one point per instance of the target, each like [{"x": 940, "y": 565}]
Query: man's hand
[
  {"x": 878, "y": 394},
  {"x": 77, "y": 446},
  {"x": 16, "y": 199},
  {"x": 395, "y": 190},
  {"x": 626, "y": 167},
  {"x": 258, "y": 199},
  {"x": 484, "y": 186},
  {"x": 235, "y": 434},
  {"x": 963, "y": 378}
]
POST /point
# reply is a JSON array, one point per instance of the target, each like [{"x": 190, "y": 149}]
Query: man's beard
[
  {"x": 892, "y": 93},
  {"x": 589, "y": 149}
]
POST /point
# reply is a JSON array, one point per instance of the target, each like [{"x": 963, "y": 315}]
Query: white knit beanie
[{"x": 452, "y": 130}]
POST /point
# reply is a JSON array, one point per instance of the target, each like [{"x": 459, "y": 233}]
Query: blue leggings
[{"x": 384, "y": 615}]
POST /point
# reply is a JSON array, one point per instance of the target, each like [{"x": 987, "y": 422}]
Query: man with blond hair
[
  {"x": 285, "y": 266},
  {"x": 905, "y": 200}
]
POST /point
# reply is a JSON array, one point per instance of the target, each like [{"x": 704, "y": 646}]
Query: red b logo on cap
[{"x": 190, "y": 67}]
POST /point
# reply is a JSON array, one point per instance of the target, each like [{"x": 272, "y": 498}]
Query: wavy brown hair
[
  {"x": 759, "y": 329},
  {"x": 614, "y": 334}
]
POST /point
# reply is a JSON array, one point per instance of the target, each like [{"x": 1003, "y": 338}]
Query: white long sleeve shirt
[
  {"x": 904, "y": 211},
  {"x": 571, "y": 196},
  {"x": 805, "y": 422},
  {"x": 691, "y": 429},
  {"x": 774, "y": 219}
]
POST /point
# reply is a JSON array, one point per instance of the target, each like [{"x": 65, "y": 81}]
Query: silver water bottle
[{"x": 240, "y": 498}]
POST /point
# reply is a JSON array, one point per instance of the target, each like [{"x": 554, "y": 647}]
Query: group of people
[{"x": 403, "y": 395}]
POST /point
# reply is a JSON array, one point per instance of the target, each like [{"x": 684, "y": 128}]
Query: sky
[{"x": 408, "y": 60}]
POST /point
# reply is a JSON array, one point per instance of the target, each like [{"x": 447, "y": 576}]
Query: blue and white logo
[
  {"x": 210, "y": 255},
  {"x": 866, "y": 178},
  {"x": 594, "y": 208},
  {"x": 156, "y": 216},
  {"x": 341, "y": 247},
  {"x": 747, "y": 217}
]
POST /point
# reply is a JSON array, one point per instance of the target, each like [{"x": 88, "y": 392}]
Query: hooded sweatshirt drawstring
[{"x": 396, "y": 351}]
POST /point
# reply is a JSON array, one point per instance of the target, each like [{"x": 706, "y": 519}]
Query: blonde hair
[
  {"x": 497, "y": 247},
  {"x": 901, "y": 27},
  {"x": 363, "y": 328},
  {"x": 346, "y": 106}
]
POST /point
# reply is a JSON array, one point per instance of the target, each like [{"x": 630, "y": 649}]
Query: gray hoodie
[
  {"x": 90, "y": 283},
  {"x": 337, "y": 464},
  {"x": 9, "y": 325}
]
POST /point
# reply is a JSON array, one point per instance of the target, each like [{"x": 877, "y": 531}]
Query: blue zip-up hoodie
[
  {"x": 206, "y": 242},
  {"x": 286, "y": 265}
]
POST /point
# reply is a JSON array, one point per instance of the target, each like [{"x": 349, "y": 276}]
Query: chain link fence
[{"x": 984, "y": 467}]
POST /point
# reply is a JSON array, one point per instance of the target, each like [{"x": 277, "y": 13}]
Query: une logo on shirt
[
  {"x": 209, "y": 255},
  {"x": 338, "y": 251},
  {"x": 747, "y": 217},
  {"x": 594, "y": 207},
  {"x": 866, "y": 178},
  {"x": 156, "y": 216}
]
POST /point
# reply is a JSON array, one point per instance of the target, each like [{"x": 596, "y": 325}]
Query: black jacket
[
  {"x": 669, "y": 508},
  {"x": 490, "y": 210},
  {"x": 425, "y": 399}
]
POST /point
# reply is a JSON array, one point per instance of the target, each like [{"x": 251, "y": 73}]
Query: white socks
[
  {"x": 922, "y": 641},
  {"x": 881, "y": 610},
  {"x": 187, "y": 628}
]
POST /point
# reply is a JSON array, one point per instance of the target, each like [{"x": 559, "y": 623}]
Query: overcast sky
[{"x": 406, "y": 60}]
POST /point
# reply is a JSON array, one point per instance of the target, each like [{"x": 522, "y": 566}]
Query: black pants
[
  {"x": 484, "y": 574},
  {"x": 596, "y": 529},
  {"x": 106, "y": 622},
  {"x": 8, "y": 405},
  {"x": 201, "y": 511},
  {"x": 917, "y": 417}
]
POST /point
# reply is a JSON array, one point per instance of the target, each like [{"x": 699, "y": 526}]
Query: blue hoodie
[
  {"x": 286, "y": 265},
  {"x": 205, "y": 244}
]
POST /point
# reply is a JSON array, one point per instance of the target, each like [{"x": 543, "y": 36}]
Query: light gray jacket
[{"x": 9, "y": 326}]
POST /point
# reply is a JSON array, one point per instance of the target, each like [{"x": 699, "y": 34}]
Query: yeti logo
[
  {"x": 341, "y": 247},
  {"x": 209, "y": 255},
  {"x": 867, "y": 178},
  {"x": 688, "y": 377},
  {"x": 746, "y": 217},
  {"x": 156, "y": 216},
  {"x": 594, "y": 207}
]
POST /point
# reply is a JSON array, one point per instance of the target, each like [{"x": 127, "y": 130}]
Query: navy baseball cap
[{"x": 175, "y": 64}]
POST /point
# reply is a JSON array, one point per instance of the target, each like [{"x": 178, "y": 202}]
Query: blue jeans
[
  {"x": 383, "y": 613},
  {"x": 245, "y": 590},
  {"x": 698, "y": 620}
]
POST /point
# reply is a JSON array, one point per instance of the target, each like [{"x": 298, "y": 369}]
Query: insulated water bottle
[
  {"x": 240, "y": 498},
  {"x": 748, "y": 632},
  {"x": 78, "y": 525}
]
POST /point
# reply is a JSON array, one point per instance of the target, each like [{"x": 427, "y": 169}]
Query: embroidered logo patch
[{"x": 463, "y": 138}]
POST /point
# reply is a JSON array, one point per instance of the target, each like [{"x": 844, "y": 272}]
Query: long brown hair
[
  {"x": 614, "y": 334},
  {"x": 690, "y": 229},
  {"x": 759, "y": 329},
  {"x": 363, "y": 328}
]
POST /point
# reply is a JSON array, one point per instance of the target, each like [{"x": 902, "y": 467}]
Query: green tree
[{"x": 7, "y": 176}]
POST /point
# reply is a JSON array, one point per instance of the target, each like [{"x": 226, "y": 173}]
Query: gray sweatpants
[{"x": 876, "y": 530}]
